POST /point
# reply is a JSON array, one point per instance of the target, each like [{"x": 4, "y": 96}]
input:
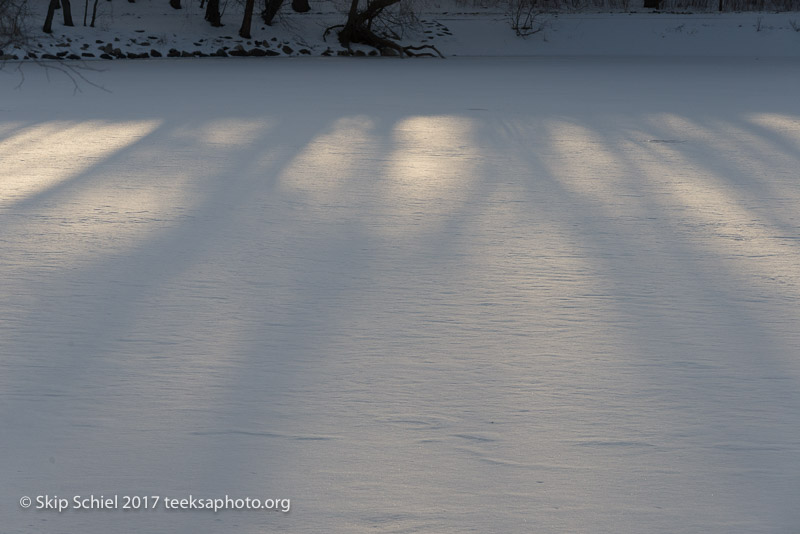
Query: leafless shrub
[
  {"x": 730, "y": 5},
  {"x": 395, "y": 20},
  {"x": 693, "y": 6},
  {"x": 12, "y": 22},
  {"x": 524, "y": 15}
]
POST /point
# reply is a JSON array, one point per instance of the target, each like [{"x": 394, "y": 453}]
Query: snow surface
[{"x": 468, "y": 295}]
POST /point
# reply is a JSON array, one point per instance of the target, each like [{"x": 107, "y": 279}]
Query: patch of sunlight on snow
[
  {"x": 707, "y": 197},
  {"x": 583, "y": 165},
  {"x": 224, "y": 132},
  {"x": 327, "y": 162},
  {"x": 784, "y": 125},
  {"x": 117, "y": 204},
  {"x": 675, "y": 123},
  {"x": 7, "y": 127},
  {"x": 433, "y": 165},
  {"x": 42, "y": 156},
  {"x": 717, "y": 213},
  {"x": 749, "y": 151},
  {"x": 760, "y": 157}
]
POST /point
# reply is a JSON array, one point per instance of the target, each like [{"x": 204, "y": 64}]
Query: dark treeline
[
  {"x": 377, "y": 23},
  {"x": 367, "y": 22}
]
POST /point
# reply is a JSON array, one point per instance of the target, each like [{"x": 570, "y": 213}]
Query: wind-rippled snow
[{"x": 477, "y": 295}]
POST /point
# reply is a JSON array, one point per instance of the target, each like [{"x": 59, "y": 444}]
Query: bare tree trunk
[
  {"x": 357, "y": 28},
  {"x": 94, "y": 13},
  {"x": 271, "y": 8},
  {"x": 48, "y": 21},
  {"x": 346, "y": 35},
  {"x": 300, "y": 6},
  {"x": 85, "y": 11},
  {"x": 67, "y": 13},
  {"x": 247, "y": 19},
  {"x": 351, "y": 16},
  {"x": 212, "y": 13}
]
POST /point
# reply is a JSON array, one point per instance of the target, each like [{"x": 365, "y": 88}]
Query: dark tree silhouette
[
  {"x": 212, "y": 13},
  {"x": 300, "y": 6},
  {"x": 67, "y": 7},
  {"x": 358, "y": 29},
  {"x": 94, "y": 14},
  {"x": 247, "y": 19},
  {"x": 271, "y": 8},
  {"x": 48, "y": 20}
]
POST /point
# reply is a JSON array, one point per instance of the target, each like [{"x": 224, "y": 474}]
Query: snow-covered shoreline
[{"x": 150, "y": 29}]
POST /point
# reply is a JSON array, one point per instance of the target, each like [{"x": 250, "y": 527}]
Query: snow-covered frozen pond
[{"x": 471, "y": 295}]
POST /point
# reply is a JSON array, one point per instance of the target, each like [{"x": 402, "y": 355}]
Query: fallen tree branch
[
  {"x": 409, "y": 50},
  {"x": 328, "y": 30}
]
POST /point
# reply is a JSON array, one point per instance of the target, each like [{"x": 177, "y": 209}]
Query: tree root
[
  {"x": 363, "y": 35},
  {"x": 410, "y": 50}
]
